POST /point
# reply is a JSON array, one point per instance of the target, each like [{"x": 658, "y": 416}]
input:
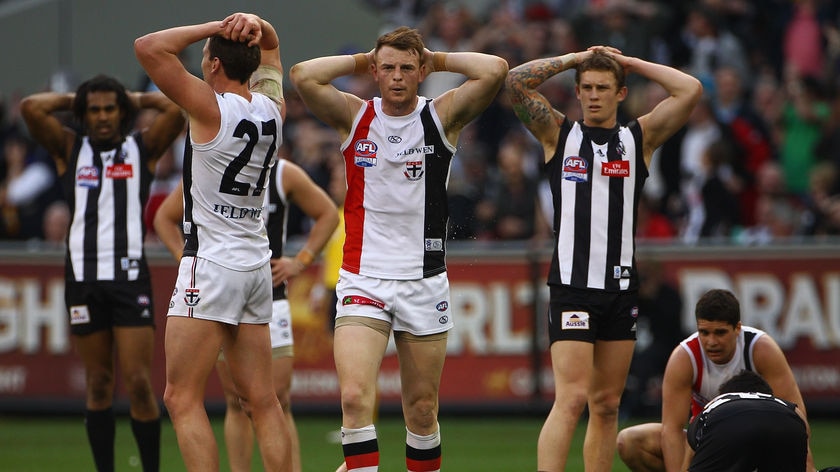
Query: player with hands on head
[
  {"x": 235, "y": 115},
  {"x": 596, "y": 169},
  {"x": 397, "y": 151},
  {"x": 106, "y": 170},
  {"x": 288, "y": 184}
]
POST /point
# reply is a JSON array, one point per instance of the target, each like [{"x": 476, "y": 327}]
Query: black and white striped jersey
[
  {"x": 596, "y": 177},
  {"x": 107, "y": 189}
]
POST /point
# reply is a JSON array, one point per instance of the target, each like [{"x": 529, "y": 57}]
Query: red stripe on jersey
[
  {"x": 431, "y": 465},
  {"x": 360, "y": 461},
  {"x": 697, "y": 354},
  {"x": 354, "y": 203}
]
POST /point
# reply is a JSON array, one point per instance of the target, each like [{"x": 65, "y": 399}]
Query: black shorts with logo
[
  {"x": 96, "y": 306},
  {"x": 591, "y": 315}
]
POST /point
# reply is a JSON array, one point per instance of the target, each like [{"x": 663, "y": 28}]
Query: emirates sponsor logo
[{"x": 615, "y": 169}]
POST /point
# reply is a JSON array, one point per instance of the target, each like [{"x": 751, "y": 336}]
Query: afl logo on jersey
[
  {"x": 575, "y": 169},
  {"x": 87, "y": 177},
  {"x": 365, "y": 153}
]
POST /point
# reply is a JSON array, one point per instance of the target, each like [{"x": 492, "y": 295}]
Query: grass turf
[{"x": 469, "y": 444}]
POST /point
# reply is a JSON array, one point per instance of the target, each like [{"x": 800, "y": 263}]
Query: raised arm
[
  {"x": 39, "y": 114},
  {"x": 671, "y": 114},
  {"x": 458, "y": 107},
  {"x": 676, "y": 405},
  {"x": 159, "y": 52},
  {"x": 313, "y": 81},
  {"x": 166, "y": 126},
  {"x": 530, "y": 106},
  {"x": 315, "y": 203},
  {"x": 168, "y": 220}
]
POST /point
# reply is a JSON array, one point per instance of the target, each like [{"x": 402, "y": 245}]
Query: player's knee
[
  {"x": 605, "y": 404},
  {"x": 422, "y": 414},
  {"x": 624, "y": 444},
  {"x": 139, "y": 389},
  {"x": 100, "y": 386},
  {"x": 356, "y": 398}
]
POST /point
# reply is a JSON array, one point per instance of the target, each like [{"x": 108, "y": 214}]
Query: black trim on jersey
[
  {"x": 583, "y": 204},
  {"x": 748, "y": 340},
  {"x": 120, "y": 218},
  {"x": 437, "y": 204},
  {"x": 276, "y": 227},
  {"x": 191, "y": 238}
]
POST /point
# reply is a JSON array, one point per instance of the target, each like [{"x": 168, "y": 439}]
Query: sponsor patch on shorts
[
  {"x": 79, "y": 314},
  {"x": 574, "y": 320}
]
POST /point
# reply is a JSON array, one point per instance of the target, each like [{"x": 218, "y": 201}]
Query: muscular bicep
[
  {"x": 770, "y": 363},
  {"x": 335, "y": 108}
]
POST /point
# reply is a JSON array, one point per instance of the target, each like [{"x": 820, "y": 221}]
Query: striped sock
[
  {"x": 361, "y": 449},
  {"x": 422, "y": 453}
]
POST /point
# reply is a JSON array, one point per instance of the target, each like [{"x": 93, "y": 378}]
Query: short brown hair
[
  {"x": 600, "y": 61},
  {"x": 404, "y": 39}
]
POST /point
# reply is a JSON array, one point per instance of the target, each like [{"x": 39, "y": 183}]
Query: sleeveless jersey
[
  {"x": 106, "y": 189},
  {"x": 396, "y": 209},
  {"x": 225, "y": 181},
  {"x": 708, "y": 376},
  {"x": 596, "y": 177},
  {"x": 277, "y": 212}
]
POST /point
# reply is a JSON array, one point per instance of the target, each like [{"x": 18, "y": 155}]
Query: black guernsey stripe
[
  {"x": 583, "y": 205},
  {"x": 615, "y": 220},
  {"x": 191, "y": 238},
  {"x": 120, "y": 220},
  {"x": 437, "y": 205},
  {"x": 91, "y": 216},
  {"x": 276, "y": 227}
]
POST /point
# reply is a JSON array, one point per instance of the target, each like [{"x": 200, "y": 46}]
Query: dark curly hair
[{"x": 104, "y": 83}]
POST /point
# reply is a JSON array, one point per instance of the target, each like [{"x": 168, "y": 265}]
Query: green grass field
[{"x": 37, "y": 444}]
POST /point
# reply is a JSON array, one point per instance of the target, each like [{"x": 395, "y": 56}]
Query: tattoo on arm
[{"x": 528, "y": 104}]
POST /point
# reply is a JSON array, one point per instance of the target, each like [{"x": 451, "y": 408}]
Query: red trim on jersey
[
  {"x": 371, "y": 459},
  {"x": 431, "y": 465},
  {"x": 354, "y": 203},
  {"x": 697, "y": 354}
]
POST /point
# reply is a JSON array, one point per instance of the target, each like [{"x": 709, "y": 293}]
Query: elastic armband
[{"x": 268, "y": 81}]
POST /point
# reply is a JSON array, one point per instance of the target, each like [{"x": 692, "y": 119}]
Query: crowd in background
[{"x": 759, "y": 160}]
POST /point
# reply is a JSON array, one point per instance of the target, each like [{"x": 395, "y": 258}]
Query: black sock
[
  {"x": 101, "y": 429},
  {"x": 147, "y": 435}
]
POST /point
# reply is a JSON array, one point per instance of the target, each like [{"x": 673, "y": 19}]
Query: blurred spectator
[
  {"x": 778, "y": 213},
  {"x": 702, "y": 130},
  {"x": 804, "y": 117},
  {"x": 447, "y": 28},
  {"x": 510, "y": 209},
  {"x": 651, "y": 224},
  {"x": 707, "y": 45},
  {"x": 30, "y": 185},
  {"x": 632, "y": 26},
  {"x": 823, "y": 202},
  {"x": 803, "y": 40},
  {"x": 720, "y": 192},
  {"x": 746, "y": 130}
]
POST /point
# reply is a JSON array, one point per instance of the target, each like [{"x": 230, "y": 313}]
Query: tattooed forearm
[{"x": 522, "y": 81}]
